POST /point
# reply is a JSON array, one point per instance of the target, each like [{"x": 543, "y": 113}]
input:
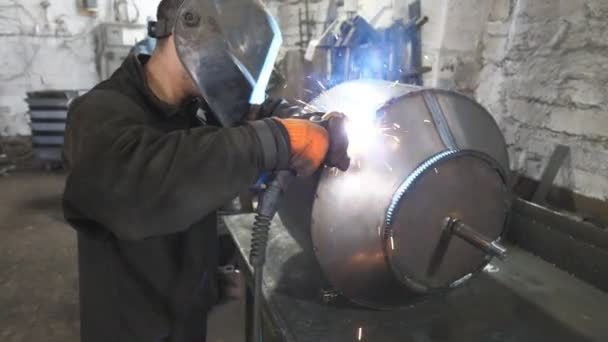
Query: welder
[{"x": 155, "y": 150}]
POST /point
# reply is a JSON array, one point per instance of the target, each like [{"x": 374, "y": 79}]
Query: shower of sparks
[
  {"x": 362, "y": 133},
  {"x": 395, "y": 138},
  {"x": 302, "y": 102},
  {"x": 360, "y": 334},
  {"x": 308, "y": 108}
]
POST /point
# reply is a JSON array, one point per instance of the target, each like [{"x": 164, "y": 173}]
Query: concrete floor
[{"x": 38, "y": 273}]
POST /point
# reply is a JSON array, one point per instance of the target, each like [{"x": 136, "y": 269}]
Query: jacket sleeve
[{"x": 140, "y": 182}]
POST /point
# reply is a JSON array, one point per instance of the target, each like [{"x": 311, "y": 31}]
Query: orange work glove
[
  {"x": 309, "y": 145},
  {"x": 337, "y": 156}
]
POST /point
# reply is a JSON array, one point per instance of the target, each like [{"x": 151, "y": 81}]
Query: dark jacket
[{"x": 145, "y": 179}]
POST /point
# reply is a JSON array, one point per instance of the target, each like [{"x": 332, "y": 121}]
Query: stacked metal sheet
[{"x": 48, "y": 113}]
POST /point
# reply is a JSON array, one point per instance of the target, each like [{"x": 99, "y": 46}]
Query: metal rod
[
  {"x": 478, "y": 240},
  {"x": 421, "y": 21},
  {"x": 308, "y": 30}
]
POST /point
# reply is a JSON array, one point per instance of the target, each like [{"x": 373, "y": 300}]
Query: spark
[
  {"x": 396, "y": 126},
  {"x": 321, "y": 85},
  {"x": 307, "y": 106},
  {"x": 436, "y": 171},
  {"x": 491, "y": 268},
  {"x": 427, "y": 121},
  {"x": 388, "y": 166},
  {"x": 360, "y": 333},
  {"x": 392, "y": 243}
]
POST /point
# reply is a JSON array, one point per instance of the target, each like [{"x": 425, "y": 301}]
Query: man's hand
[
  {"x": 309, "y": 144},
  {"x": 313, "y": 144},
  {"x": 337, "y": 156}
]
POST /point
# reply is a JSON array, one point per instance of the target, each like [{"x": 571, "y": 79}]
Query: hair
[{"x": 167, "y": 9}]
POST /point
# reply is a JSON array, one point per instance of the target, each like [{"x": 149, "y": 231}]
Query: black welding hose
[
  {"x": 267, "y": 208},
  {"x": 259, "y": 242}
]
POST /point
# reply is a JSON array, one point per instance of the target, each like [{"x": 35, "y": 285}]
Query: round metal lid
[{"x": 450, "y": 187}]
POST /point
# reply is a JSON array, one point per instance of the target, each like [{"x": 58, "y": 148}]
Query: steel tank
[{"x": 424, "y": 204}]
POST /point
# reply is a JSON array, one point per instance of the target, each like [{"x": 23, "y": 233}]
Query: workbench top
[{"x": 520, "y": 299}]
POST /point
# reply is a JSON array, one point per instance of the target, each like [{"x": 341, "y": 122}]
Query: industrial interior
[{"x": 461, "y": 193}]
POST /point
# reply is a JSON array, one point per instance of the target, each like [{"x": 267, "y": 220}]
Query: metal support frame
[
  {"x": 558, "y": 157},
  {"x": 356, "y": 50},
  {"x": 415, "y": 15}
]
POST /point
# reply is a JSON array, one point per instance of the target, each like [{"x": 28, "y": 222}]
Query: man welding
[{"x": 147, "y": 173}]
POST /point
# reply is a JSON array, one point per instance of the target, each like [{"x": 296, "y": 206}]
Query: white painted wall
[{"x": 34, "y": 58}]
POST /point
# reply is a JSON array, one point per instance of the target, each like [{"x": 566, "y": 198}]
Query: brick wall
[{"x": 544, "y": 78}]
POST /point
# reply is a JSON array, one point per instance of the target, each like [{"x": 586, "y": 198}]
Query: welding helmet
[{"x": 229, "y": 48}]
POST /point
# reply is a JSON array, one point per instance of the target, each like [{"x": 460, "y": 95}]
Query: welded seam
[
  {"x": 405, "y": 186},
  {"x": 440, "y": 121}
]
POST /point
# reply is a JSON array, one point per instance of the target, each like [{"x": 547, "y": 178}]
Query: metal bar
[
  {"x": 300, "y": 29},
  {"x": 442, "y": 247},
  {"x": 555, "y": 163},
  {"x": 421, "y": 21},
  {"x": 575, "y": 256},
  {"x": 308, "y": 21},
  {"x": 565, "y": 223},
  {"x": 416, "y": 59},
  {"x": 453, "y": 227},
  {"x": 478, "y": 240}
]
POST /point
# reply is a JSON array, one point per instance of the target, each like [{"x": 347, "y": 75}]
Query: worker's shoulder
[
  {"x": 106, "y": 97},
  {"x": 105, "y": 94}
]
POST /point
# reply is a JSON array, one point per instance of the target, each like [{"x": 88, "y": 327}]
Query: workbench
[{"x": 520, "y": 299}]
